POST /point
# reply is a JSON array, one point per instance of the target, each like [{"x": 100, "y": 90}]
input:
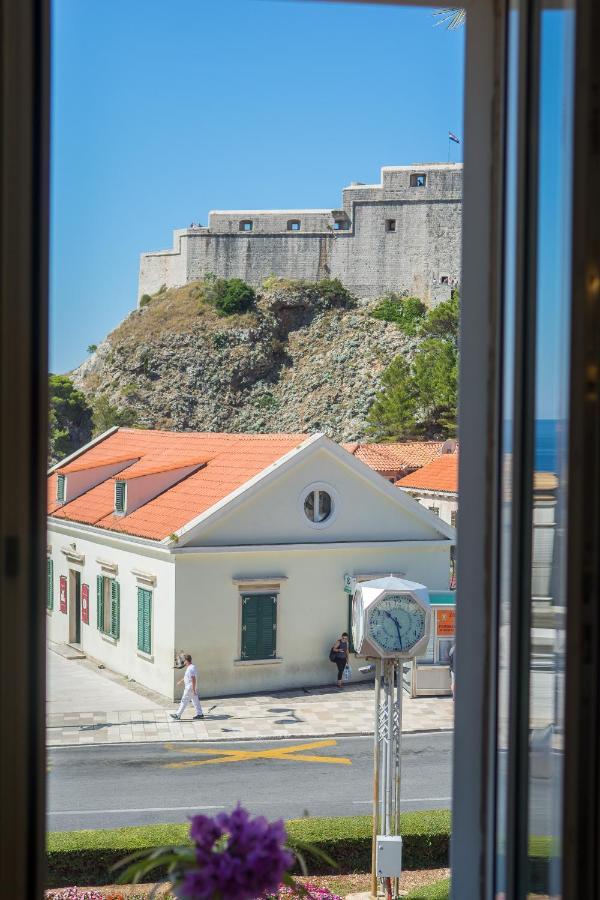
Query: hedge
[{"x": 86, "y": 857}]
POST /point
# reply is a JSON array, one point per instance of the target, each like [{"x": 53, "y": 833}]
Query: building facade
[
  {"x": 233, "y": 548},
  {"x": 403, "y": 234}
]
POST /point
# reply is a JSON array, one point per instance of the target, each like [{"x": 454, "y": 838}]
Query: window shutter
[
  {"x": 120, "y": 496},
  {"x": 60, "y": 488},
  {"x": 50, "y": 594},
  {"x": 100, "y": 601},
  {"x": 115, "y": 608},
  {"x": 259, "y": 622},
  {"x": 144, "y": 620}
]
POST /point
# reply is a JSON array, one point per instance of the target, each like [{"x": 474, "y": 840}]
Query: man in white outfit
[{"x": 190, "y": 691}]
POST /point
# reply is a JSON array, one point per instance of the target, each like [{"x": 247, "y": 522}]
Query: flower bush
[
  {"x": 74, "y": 893},
  {"x": 233, "y": 857}
]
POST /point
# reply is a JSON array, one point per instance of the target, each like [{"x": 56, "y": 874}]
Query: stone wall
[{"x": 403, "y": 234}]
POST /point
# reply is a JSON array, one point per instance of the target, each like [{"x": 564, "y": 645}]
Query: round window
[{"x": 318, "y": 506}]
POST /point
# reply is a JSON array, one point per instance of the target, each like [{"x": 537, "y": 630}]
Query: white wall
[
  {"x": 312, "y": 609},
  {"x": 365, "y": 510},
  {"x": 122, "y": 656}
]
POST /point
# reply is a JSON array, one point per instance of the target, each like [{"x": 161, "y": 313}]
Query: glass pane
[
  {"x": 508, "y": 355},
  {"x": 548, "y": 602}
]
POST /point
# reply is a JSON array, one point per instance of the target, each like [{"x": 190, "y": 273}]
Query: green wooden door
[{"x": 259, "y": 626}]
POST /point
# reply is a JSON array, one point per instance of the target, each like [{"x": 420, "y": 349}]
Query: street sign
[{"x": 349, "y": 584}]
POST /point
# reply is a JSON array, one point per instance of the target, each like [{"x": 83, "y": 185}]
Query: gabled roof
[
  {"x": 406, "y": 455},
  {"x": 226, "y": 461},
  {"x": 440, "y": 475}
]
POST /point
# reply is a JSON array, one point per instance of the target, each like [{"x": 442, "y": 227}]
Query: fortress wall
[
  {"x": 270, "y": 221},
  {"x": 254, "y": 257},
  {"x": 165, "y": 267},
  {"x": 425, "y": 246}
]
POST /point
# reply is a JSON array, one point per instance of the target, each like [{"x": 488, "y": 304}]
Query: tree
[
  {"x": 92, "y": 348},
  {"x": 70, "y": 418},
  {"x": 106, "y": 416},
  {"x": 435, "y": 375},
  {"x": 406, "y": 312},
  {"x": 443, "y": 320},
  {"x": 392, "y": 416}
]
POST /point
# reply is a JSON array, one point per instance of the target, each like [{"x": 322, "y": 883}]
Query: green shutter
[
  {"x": 100, "y": 601},
  {"x": 50, "y": 590},
  {"x": 144, "y": 620},
  {"x": 60, "y": 488},
  {"x": 259, "y": 622},
  {"x": 115, "y": 608}
]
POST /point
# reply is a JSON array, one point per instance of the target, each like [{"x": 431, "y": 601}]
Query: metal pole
[{"x": 375, "y": 778}]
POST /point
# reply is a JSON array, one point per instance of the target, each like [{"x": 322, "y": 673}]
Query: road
[{"x": 111, "y": 786}]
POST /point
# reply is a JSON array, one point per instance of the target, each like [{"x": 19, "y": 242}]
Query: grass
[
  {"x": 86, "y": 857},
  {"x": 440, "y": 890}
]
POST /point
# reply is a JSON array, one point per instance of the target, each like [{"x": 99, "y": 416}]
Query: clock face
[{"x": 397, "y": 622}]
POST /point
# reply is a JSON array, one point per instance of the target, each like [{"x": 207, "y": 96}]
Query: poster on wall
[
  {"x": 85, "y": 604},
  {"x": 444, "y": 622},
  {"x": 63, "y": 594}
]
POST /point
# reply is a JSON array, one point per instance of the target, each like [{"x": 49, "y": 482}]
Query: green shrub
[
  {"x": 333, "y": 293},
  {"x": 406, "y": 312},
  {"x": 266, "y": 401},
  {"x": 85, "y": 857},
  {"x": 92, "y": 348},
  {"x": 440, "y": 890},
  {"x": 230, "y": 296}
]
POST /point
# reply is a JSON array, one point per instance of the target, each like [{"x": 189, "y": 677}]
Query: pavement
[
  {"x": 88, "y": 705},
  {"x": 141, "y": 784}
]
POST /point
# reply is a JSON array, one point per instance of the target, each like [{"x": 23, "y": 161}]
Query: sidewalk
[{"x": 121, "y": 715}]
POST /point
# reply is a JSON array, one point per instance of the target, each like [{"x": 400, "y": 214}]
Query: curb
[{"x": 238, "y": 740}]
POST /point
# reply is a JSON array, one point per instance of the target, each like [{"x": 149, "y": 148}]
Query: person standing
[
  {"x": 190, "y": 690},
  {"x": 340, "y": 649},
  {"x": 451, "y": 664}
]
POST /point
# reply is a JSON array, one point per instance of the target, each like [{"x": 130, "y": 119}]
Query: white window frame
[{"x": 335, "y": 504}]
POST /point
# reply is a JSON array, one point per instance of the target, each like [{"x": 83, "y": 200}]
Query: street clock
[{"x": 391, "y": 618}]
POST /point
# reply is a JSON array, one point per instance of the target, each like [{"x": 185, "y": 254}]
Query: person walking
[
  {"x": 190, "y": 690},
  {"x": 451, "y": 664},
  {"x": 340, "y": 651}
]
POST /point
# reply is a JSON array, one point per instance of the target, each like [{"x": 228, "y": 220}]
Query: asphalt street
[{"x": 111, "y": 786}]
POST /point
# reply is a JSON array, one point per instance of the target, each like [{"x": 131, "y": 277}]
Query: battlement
[{"x": 402, "y": 234}]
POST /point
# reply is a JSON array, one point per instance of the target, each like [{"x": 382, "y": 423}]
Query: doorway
[{"x": 74, "y": 607}]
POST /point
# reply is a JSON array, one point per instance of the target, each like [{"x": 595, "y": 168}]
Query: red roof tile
[
  {"x": 404, "y": 455},
  {"x": 439, "y": 475},
  {"x": 227, "y": 462}
]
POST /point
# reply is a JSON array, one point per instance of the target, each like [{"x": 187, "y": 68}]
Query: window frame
[
  {"x": 61, "y": 488},
  {"x": 108, "y": 606},
  {"x": 50, "y": 584},
  {"x": 325, "y": 487},
  {"x": 292, "y": 223},
  {"x": 146, "y": 650},
  {"x": 390, "y": 226},
  {"x": 415, "y": 179},
  {"x": 246, "y": 226},
  {"x": 244, "y": 597},
  {"x": 120, "y": 483}
]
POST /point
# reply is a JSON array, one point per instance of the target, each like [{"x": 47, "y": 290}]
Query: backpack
[{"x": 332, "y": 655}]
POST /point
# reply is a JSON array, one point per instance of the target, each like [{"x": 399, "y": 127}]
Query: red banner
[
  {"x": 85, "y": 603},
  {"x": 63, "y": 594}
]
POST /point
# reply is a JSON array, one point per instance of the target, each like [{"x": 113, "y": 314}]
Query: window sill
[
  {"x": 149, "y": 657},
  {"x": 109, "y": 639},
  {"x": 258, "y": 662}
]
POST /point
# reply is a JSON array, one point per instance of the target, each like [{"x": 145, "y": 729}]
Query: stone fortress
[{"x": 403, "y": 234}]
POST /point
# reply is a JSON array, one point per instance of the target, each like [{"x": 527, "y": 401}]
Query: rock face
[{"x": 298, "y": 362}]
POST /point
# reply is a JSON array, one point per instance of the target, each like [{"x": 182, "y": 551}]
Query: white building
[
  {"x": 435, "y": 486},
  {"x": 230, "y": 547}
]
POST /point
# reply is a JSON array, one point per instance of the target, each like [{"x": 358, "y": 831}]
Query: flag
[{"x": 453, "y": 137}]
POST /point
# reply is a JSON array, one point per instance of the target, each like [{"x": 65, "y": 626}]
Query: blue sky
[{"x": 162, "y": 111}]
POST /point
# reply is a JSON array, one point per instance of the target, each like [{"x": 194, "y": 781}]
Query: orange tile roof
[
  {"x": 227, "y": 462},
  {"x": 439, "y": 475},
  {"x": 396, "y": 456}
]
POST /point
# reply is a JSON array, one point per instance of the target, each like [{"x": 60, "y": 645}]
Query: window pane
[{"x": 548, "y": 603}]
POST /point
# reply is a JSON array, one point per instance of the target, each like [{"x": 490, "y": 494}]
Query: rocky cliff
[{"x": 298, "y": 361}]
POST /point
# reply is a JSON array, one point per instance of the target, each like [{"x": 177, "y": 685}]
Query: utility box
[{"x": 389, "y": 856}]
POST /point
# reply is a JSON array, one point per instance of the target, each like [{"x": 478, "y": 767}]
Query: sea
[{"x": 549, "y": 441}]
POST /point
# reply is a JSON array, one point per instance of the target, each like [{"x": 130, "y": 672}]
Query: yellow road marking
[{"x": 293, "y": 754}]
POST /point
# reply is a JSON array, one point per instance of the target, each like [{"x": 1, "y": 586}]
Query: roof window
[
  {"x": 293, "y": 225},
  {"x": 120, "y": 496},
  {"x": 61, "y": 488},
  {"x": 246, "y": 225}
]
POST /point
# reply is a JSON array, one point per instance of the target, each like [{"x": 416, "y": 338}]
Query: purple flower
[{"x": 238, "y": 857}]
